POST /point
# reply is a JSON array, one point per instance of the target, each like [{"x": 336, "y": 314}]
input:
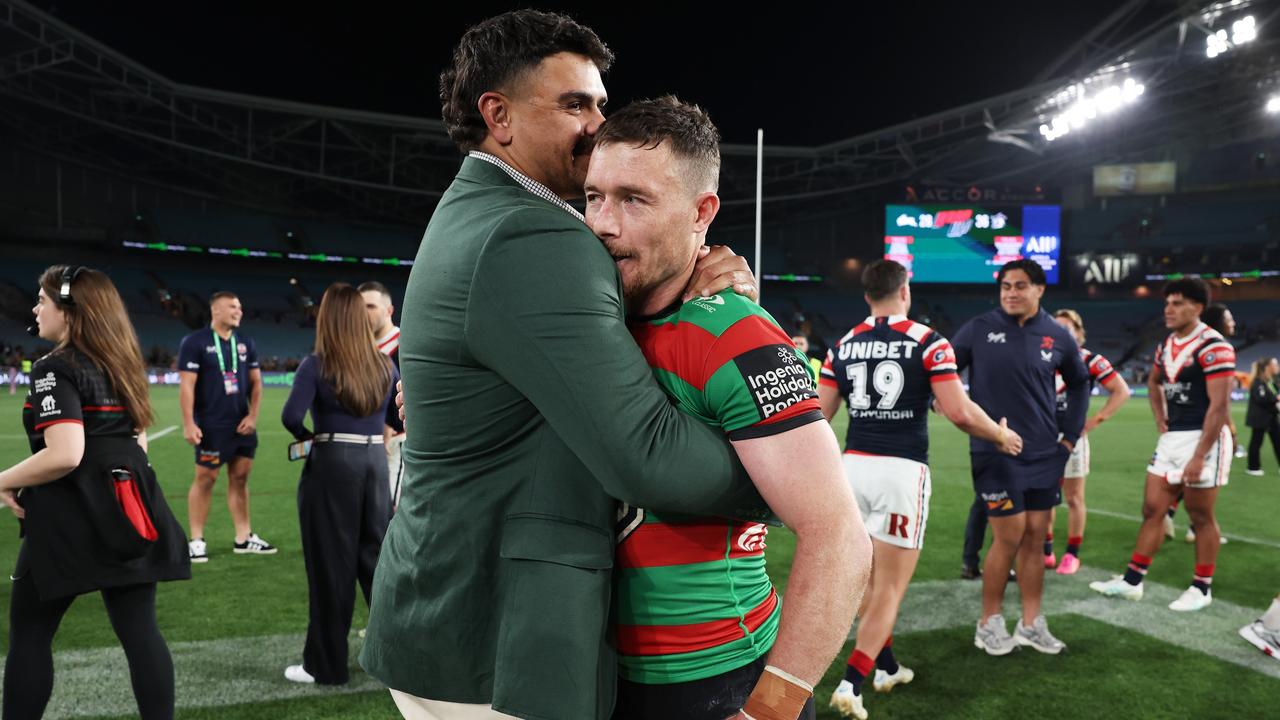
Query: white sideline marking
[
  {"x": 1230, "y": 536},
  {"x": 162, "y": 433},
  {"x": 212, "y": 673},
  {"x": 942, "y": 604}
]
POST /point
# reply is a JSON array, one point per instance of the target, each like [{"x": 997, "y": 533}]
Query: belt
[{"x": 348, "y": 438}]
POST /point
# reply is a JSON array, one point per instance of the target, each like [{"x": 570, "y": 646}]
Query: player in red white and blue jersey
[
  {"x": 1073, "y": 477},
  {"x": 1190, "y": 398},
  {"x": 887, "y": 369}
]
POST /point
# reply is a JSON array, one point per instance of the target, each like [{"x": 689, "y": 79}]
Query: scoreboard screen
[{"x": 969, "y": 243}]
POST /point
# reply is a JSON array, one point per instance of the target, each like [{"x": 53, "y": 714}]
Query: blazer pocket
[{"x": 556, "y": 540}]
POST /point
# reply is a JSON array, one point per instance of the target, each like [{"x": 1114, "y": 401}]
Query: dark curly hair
[
  {"x": 687, "y": 127},
  {"x": 497, "y": 50},
  {"x": 1190, "y": 288}
]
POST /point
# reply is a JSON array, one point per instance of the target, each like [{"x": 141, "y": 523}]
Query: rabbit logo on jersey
[
  {"x": 775, "y": 378},
  {"x": 753, "y": 537}
]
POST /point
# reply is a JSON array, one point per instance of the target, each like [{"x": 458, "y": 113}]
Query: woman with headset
[
  {"x": 93, "y": 517},
  {"x": 344, "y": 502}
]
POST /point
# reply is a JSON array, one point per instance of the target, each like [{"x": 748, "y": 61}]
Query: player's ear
[
  {"x": 495, "y": 108},
  {"x": 707, "y": 205}
]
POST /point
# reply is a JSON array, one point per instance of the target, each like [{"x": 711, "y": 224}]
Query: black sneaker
[
  {"x": 970, "y": 572},
  {"x": 254, "y": 545}
]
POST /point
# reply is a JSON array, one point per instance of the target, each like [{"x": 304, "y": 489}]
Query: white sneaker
[
  {"x": 298, "y": 674},
  {"x": 1255, "y": 473},
  {"x": 993, "y": 638},
  {"x": 847, "y": 702},
  {"x": 198, "y": 551},
  {"x": 1038, "y": 637},
  {"x": 1257, "y": 635},
  {"x": 1191, "y": 600},
  {"x": 1168, "y": 527},
  {"x": 1117, "y": 587},
  {"x": 884, "y": 682}
]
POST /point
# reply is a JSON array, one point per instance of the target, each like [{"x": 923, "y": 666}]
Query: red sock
[
  {"x": 858, "y": 667},
  {"x": 1137, "y": 569},
  {"x": 1073, "y": 544},
  {"x": 1203, "y": 578}
]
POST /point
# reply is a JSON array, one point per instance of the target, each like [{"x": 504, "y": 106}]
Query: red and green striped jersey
[{"x": 694, "y": 600}]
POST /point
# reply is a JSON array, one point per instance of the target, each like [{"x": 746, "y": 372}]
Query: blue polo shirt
[
  {"x": 1011, "y": 375},
  {"x": 198, "y": 354}
]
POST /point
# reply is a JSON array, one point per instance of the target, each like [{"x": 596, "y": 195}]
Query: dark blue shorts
[
  {"x": 1010, "y": 486},
  {"x": 219, "y": 445}
]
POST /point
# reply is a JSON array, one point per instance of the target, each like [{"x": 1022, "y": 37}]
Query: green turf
[{"x": 244, "y": 596}]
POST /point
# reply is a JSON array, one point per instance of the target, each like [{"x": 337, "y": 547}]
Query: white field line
[
  {"x": 1230, "y": 536},
  {"x": 161, "y": 433},
  {"x": 940, "y": 604},
  {"x": 233, "y": 671},
  {"x": 212, "y": 673}
]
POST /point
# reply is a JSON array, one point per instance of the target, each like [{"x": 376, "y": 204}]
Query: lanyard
[{"x": 222, "y": 366}]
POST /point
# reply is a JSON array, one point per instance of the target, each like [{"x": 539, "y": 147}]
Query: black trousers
[
  {"x": 28, "y": 669},
  {"x": 714, "y": 698},
  {"x": 344, "y": 507},
  {"x": 1255, "y": 443},
  {"x": 975, "y": 532}
]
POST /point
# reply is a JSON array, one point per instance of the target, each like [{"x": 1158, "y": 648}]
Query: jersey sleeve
[
  {"x": 190, "y": 353},
  {"x": 1155, "y": 361},
  {"x": 962, "y": 346},
  {"x": 1100, "y": 368},
  {"x": 939, "y": 359},
  {"x": 54, "y": 396},
  {"x": 251, "y": 355},
  {"x": 757, "y": 383},
  {"x": 1217, "y": 359},
  {"x": 828, "y": 374}
]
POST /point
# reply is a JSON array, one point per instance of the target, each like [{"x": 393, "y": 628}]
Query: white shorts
[
  {"x": 395, "y": 467},
  {"x": 1174, "y": 451},
  {"x": 893, "y": 497},
  {"x": 1078, "y": 461}
]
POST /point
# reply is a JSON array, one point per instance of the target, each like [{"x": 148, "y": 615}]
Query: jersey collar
[{"x": 889, "y": 319}]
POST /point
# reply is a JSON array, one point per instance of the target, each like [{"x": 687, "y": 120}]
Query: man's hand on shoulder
[{"x": 718, "y": 268}]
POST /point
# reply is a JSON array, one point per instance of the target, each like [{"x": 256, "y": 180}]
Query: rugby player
[
  {"x": 220, "y": 392},
  {"x": 1190, "y": 389},
  {"x": 377, "y": 302},
  {"x": 1013, "y": 354},
  {"x": 886, "y": 369},
  {"x": 697, "y": 616},
  {"x": 1101, "y": 372}
]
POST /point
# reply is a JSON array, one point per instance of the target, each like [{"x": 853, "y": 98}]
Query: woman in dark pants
[
  {"x": 93, "y": 517},
  {"x": 344, "y": 503},
  {"x": 1263, "y": 414}
]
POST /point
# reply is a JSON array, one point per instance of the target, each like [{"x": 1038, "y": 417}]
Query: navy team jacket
[{"x": 1011, "y": 375}]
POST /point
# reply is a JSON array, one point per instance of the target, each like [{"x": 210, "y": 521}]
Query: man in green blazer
[{"x": 529, "y": 409}]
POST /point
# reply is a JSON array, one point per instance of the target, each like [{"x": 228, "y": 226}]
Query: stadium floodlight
[
  {"x": 1087, "y": 108},
  {"x": 1216, "y": 44},
  {"x": 1244, "y": 30},
  {"x": 1273, "y": 104}
]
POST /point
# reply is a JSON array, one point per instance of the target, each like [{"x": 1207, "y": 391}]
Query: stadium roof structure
[{"x": 69, "y": 96}]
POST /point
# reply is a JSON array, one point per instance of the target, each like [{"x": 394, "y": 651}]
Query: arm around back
[{"x": 546, "y": 314}]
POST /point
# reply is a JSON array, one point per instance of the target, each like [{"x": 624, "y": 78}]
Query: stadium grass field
[{"x": 241, "y": 618}]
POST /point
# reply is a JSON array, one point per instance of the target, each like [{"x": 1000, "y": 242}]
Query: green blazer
[{"x": 529, "y": 409}]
